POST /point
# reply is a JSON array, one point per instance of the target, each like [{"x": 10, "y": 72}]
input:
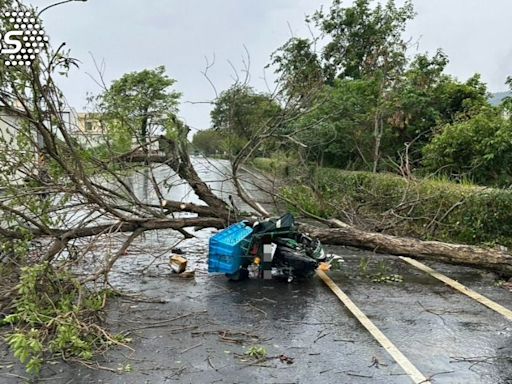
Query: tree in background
[
  {"x": 426, "y": 99},
  {"x": 376, "y": 107},
  {"x": 139, "y": 104},
  {"x": 362, "y": 43},
  {"x": 336, "y": 131},
  {"x": 363, "y": 40},
  {"x": 367, "y": 43},
  {"x": 241, "y": 113},
  {"x": 208, "y": 141},
  {"x": 298, "y": 67}
]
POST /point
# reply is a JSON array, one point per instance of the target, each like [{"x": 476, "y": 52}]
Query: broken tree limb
[
  {"x": 146, "y": 225},
  {"x": 489, "y": 258},
  {"x": 175, "y": 155},
  {"x": 202, "y": 210},
  {"x": 64, "y": 235}
]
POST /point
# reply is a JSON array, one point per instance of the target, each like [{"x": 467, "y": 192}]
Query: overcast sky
[{"x": 130, "y": 35}]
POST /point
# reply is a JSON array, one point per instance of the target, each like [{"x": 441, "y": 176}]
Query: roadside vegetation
[
  {"x": 426, "y": 208},
  {"x": 370, "y": 104},
  {"x": 357, "y": 129},
  {"x": 387, "y": 141}
]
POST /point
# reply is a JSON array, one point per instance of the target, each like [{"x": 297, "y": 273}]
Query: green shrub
[
  {"x": 279, "y": 166},
  {"x": 430, "y": 209},
  {"x": 479, "y": 148},
  {"x": 306, "y": 199}
]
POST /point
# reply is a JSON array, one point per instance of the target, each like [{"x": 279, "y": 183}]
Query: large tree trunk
[{"x": 488, "y": 258}]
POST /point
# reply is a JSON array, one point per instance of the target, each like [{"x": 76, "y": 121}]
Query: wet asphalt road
[{"x": 197, "y": 330}]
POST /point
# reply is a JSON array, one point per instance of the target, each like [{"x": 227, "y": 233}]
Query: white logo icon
[{"x": 24, "y": 41}]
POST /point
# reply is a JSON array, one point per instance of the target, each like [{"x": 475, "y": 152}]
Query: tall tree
[
  {"x": 298, "y": 67},
  {"x": 363, "y": 39},
  {"x": 366, "y": 43},
  {"x": 240, "y": 113},
  {"x": 141, "y": 102},
  {"x": 425, "y": 99},
  {"x": 336, "y": 130},
  {"x": 208, "y": 141}
]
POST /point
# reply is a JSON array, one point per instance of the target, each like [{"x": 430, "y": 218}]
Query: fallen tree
[
  {"x": 493, "y": 259},
  {"x": 57, "y": 191},
  {"x": 37, "y": 193}
]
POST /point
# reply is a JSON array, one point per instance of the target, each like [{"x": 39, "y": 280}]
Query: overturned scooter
[{"x": 269, "y": 249}]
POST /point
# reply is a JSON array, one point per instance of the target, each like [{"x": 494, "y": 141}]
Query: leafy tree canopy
[
  {"x": 362, "y": 39},
  {"x": 479, "y": 149},
  {"x": 140, "y": 102},
  {"x": 298, "y": 66},
  {"x": 242, "y": 111}
]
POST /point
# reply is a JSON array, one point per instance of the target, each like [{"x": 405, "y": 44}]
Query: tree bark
[
  {"x": 176, "y": 156},
  {"x": 489, "y": 258},
  {"x": 146, "y": 225}
]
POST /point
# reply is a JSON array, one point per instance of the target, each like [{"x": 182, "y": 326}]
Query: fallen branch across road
[{"x": 489, "y": 258}]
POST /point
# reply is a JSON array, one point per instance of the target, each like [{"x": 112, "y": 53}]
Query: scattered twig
[
  {"x": 428, "y": 379},
  {"x": 163, "y": 323},
  {"x": 320, "y": 336},
  {"x": 359, "y": 375},
  {"x": 210, "y": 363},
  {"x": 190, "y": 348}
]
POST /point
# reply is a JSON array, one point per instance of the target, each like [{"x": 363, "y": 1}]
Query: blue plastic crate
[{"x": 225, "y": 251}]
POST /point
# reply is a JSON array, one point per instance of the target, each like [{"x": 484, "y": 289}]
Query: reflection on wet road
[{"x": 195, "y": 330}]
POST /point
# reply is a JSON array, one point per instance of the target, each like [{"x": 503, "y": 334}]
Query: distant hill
[{"x": 497, "y": 97}]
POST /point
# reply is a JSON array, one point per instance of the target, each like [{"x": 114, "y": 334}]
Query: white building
[{"x": 20, "y": 146}]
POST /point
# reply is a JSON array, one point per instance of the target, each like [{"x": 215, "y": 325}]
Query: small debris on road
[{"x": 178, "y": 263}]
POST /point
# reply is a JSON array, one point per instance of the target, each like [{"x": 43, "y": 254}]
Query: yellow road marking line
[
  {"x": 399, "y": 357},
  {"x": 249, "y": 195},
  {"x": 461, "y": 288}
]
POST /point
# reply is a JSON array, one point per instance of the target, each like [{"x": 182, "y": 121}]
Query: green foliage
[
  {"x": 367, "y": 105},
  {"x": 479, "y": 148},
  {"x": 54, "y": 314},
  {"x": 240, "y": 113},
  {"x": 303, "y": 198},
  {"x": 299, "y": 67},
  {"x": 384, "y": 278},
  {"x": 257, "y": 352},
  {"x": 338, "y": 131},
  {"x": 209, "y": 141},
  {"x": 28, "y": 349},
  {"x": 429, "y": 209},
  {"x": 363, "y": 39},
  {"x": 138, "y": 104},
  {"x": 120, "y": 137},
  {"x": 364, "y": 262},
  {"x": 426, "y": 98},
  {"x": 279, "y": 165}
]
